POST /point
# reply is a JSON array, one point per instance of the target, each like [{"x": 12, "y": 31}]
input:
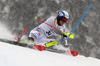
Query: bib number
[{"x": 49, "y": 32}]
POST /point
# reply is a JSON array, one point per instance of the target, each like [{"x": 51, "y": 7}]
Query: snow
[
  {"x": 13, "y": 55},
  {"x": 4, "y": 32}
]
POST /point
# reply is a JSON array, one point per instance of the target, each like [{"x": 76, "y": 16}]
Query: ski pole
[
  {"x": 49, "y": 25},
  {"x": 77, "y": 23},
  {"x": 18, "y": 38}
]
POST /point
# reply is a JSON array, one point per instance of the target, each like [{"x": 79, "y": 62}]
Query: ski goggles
[{"x": 64, "y": 19}]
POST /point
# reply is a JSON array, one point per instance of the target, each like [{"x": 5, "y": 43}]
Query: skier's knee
[{"x": 34, "y": 34}]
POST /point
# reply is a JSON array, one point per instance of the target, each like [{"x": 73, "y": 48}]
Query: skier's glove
[{"x": 66, "y": 34}]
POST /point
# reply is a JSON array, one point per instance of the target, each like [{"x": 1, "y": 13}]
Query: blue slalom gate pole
[{"x": 77, "y": 23}]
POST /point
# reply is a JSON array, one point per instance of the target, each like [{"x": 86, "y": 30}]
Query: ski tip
[{"x": 35, "y": 17}]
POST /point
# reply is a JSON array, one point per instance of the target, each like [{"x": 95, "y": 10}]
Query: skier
[{"x": 41, "y": 33}]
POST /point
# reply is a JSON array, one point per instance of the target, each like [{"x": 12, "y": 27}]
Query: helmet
[{"x": 64, "y": 14}]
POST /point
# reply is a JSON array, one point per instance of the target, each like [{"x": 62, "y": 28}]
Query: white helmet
[{"x": 63, "y": 13}]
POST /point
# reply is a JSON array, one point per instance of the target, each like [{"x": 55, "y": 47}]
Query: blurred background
[{"x": 20, "y": 14}]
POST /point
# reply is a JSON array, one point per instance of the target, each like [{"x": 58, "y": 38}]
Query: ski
[{"x": 40, "y": 47}]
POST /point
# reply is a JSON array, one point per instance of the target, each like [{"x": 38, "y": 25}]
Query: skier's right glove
[{"x": 66, "y": 34}]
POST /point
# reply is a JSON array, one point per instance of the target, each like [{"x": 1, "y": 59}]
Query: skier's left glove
[{"x": 66, "y": 34}]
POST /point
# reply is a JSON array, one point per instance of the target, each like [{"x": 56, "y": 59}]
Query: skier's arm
[{"x": 64, "y": 36}]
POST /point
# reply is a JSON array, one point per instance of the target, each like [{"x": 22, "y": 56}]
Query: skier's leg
[{"x": 34, "y": 35}]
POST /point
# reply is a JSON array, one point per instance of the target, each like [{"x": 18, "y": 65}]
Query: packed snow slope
[{"x": 12, "y": 55}]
